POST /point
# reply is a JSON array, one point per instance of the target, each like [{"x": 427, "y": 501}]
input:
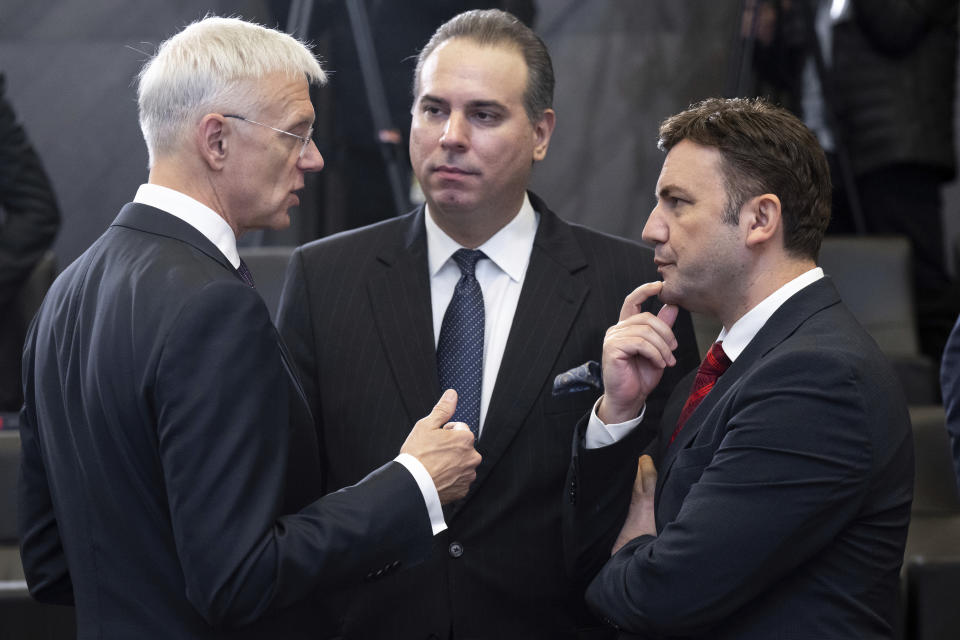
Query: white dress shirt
[
  {"x": 735, "y": 340},
  {"x": 500, "y": 277},
  {"x": 213, "y": 227},
  {"x": 199, "y": 216}
]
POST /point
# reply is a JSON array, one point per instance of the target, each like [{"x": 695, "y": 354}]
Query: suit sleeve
[
  {"x": 222, "y": 410},
  {"x": 600, "y": 481},
  {"x": 791, "y": 471},
  {"x": 41, "y": 548},
  {"x": 950, "y": 385}
]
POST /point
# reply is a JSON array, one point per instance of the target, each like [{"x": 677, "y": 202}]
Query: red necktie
[{"x": 710, "y": 369}]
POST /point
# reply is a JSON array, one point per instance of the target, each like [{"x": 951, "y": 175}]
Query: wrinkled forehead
[{"x": 279, "y": 95}]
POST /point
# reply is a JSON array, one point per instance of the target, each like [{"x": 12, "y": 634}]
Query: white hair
[{"x": 210, "y": 66}]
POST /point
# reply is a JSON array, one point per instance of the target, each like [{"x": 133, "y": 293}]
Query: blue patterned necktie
[
  {"x": 460, "y": 347},
  {"x": 245, "y": 274}
]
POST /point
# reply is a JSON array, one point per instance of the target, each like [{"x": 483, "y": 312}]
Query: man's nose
[
  {"x": 455, "y": 134},
  {"x": 311, "y": 160},
  {"x": 654, "y": 231}
]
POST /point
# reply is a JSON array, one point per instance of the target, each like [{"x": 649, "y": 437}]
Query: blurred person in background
[
  {"x": 875, "y": 80},
  {"x": 29, "y": 219}
]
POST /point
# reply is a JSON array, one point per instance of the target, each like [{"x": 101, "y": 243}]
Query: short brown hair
[
  {"x": 494, "y": 27},
  {"x": 765, "y": 149}
]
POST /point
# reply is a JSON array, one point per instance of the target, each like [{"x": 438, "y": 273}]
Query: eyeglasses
[{"x": 304, "y": 140}]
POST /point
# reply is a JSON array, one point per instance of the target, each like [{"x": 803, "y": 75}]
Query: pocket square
[{"x": 582, "y": 378}]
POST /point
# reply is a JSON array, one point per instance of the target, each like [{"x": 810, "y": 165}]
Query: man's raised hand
[
  {"x": 445, "y": 449},
  {"x": 636, "y": 350}
]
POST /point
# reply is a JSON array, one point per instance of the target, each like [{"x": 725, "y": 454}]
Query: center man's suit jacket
[
  {"x": 170, "y": 477},
  {"x": 356, "y": 314},
  {"x": 781, "y": 507}
]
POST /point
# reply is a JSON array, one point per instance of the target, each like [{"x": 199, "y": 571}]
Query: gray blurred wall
[
  {"x": 70, "y": 68},
  {"x": 622, "y": 66}
]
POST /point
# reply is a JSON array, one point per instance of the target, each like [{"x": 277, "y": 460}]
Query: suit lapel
[
  {"x": 152, "y": 220},
  {"x": 399, "y": 293},
  {"x": 785, "y": 320},
  {"x": 550, "y": 300}
]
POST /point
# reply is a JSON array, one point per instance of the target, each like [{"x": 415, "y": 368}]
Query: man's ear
[
  {"x": 761, "y": 217},
  {"x": 212, "y": 140},
  {"x": 542, "y": 130}
]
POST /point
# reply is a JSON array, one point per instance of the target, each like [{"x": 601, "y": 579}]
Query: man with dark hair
[
  {"x": 779, "y": 498},
  {"x": 483, "y": 289}
]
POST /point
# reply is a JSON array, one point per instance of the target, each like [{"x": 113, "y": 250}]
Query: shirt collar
[
  {"x": 508, "y": 248},
  {"x": 199, "y": 216},
  {"x": 743, "y": 330}
]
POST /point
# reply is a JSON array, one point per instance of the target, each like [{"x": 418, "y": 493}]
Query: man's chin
[
  {"x": 669, "y": 295},
  {"x": 451, "y": 199},
  {"x": 279, "y": 222}
]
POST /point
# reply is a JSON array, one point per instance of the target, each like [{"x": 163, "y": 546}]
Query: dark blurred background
[{"x": 621, "y": 66}]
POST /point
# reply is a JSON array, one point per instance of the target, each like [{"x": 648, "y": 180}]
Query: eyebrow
[
  {"x": 485, "y": 104},
  {"x": 472, "y": 104},
  {"x": 305, "y": 121},
  {"x": 671, "y": 190}
]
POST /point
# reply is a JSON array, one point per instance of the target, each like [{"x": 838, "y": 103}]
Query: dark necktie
[
  {"x": 710, "y": 369},
  {"x": 460, "y": 347},
  {"x": 244, "y": 272}
]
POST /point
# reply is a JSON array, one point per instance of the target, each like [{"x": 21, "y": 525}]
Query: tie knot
[
  {"x": 467, "y": 259},
  {"x": 716, "y": 361}
]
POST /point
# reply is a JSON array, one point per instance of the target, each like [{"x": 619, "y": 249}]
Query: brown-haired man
[
  {"x": 778, "y": 506},
  {"x": 365, "y": 316}
]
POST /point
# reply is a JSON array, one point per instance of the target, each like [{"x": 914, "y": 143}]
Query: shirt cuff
[
  {"x": 601, "y": 435},
  {"x": 427, "y": 488}
]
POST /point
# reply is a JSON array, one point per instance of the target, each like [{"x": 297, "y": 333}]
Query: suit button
[
  {"x": 611, "y": 623},
  {"x": 456, "y": 549}
]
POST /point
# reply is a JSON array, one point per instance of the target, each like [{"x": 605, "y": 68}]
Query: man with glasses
[
  {"x": 304, "y": 140},
  {"x": 170, "y": 477}
]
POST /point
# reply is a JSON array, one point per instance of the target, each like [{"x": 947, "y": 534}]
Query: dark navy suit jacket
[
  {"x": 356, "y": 313},
  {"x": 782, "y": 506},
  {"x": 170, "y": 472}
]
